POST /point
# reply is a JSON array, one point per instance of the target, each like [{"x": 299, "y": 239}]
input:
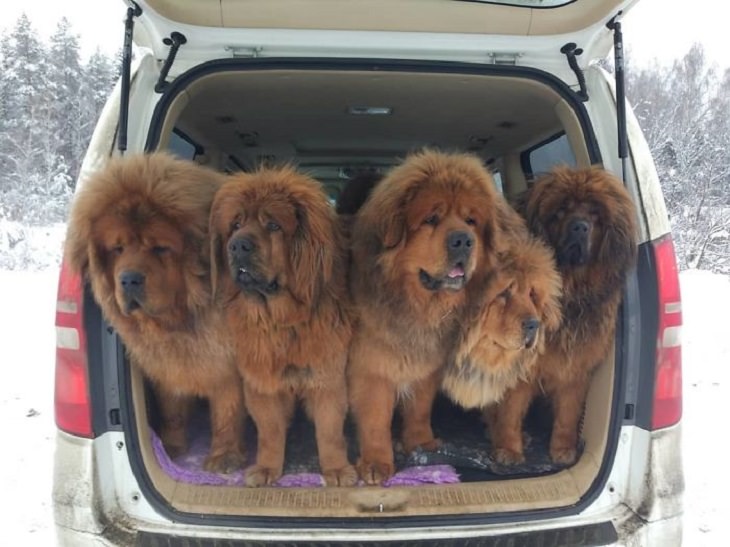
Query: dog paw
[
  {"x": 347, "y": 476},
  {"x": 374, "y": 473},
  {"x": 430, "y": 445},
  {"x": 566, "y": 455},
  {"x": 227, "y": 462},
  {"x": 258, "y": 475},
  {"x": 505, "y": 456},
  {"x": 174, "y": 447}
]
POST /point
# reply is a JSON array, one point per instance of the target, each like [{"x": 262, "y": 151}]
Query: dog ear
[
  {"x": 617, "y": 251},
  {"x": 392, "y": 230},
  {"x": 552, "y": 315},
  {"x": 618, "y": 247},
  {"x": 313, "y": 248},
  {"x": 78, "y": 248}
]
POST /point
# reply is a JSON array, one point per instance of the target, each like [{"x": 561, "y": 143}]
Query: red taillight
[
  {"x": 72, "y": 405},
  {"x": 668, "y": 380}
]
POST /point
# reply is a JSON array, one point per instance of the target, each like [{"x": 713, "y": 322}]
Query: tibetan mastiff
[
  {"x": 421, "y": 243},
  {"x": 504, "y": 332},
  {"x": 138, "y": 231},
  {"x": 279, "y": 275},
  {"x": 587, "y": 216}
]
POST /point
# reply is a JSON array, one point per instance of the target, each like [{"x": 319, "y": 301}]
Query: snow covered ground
[{"x": 26, "y": 405}]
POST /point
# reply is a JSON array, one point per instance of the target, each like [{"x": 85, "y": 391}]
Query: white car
[{"x": 334, "y": 87}]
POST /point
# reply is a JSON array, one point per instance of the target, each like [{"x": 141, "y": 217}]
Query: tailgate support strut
[
  {"x": 175, "y": 40},
  {"x": 618, "y": 51},
  {"x": 133, "y": 11}
]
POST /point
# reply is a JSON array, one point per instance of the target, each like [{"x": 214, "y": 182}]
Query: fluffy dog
[
  {"x": 588, "y": 218},
  {"x": 503, "y": 335},
  {"x": 421, "y": 243},
  {"x": 279, "y": 269},
  {"x": 138, "y": 231}
]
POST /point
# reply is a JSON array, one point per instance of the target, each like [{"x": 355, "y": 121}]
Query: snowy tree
[
  {"x": 49, "y": 103},
  {"x": 683, "y": 111},
  {"x": 26, "y": 105},
  {"x": 64, "y": 81}
]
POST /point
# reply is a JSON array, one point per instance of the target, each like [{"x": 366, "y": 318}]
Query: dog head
[
  {"x": 138, "y": 231},
  {"x": 274, "y": 239},
  {"x": 429, "y": 225}
]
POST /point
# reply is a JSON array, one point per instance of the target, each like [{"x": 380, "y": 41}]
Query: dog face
[
  {"x": 138, "y": 231},
  {"x": 430, "y": 224},
  {"x": 442, "y": 236},
  {"x": 586, "y": 215},
  {"x": 144, "y": 260},
  {"x": 273, "y": 237},
  {"x": 523, "y": 301}
]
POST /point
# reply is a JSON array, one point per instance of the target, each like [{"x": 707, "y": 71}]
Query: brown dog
[
  {"x": 588, "y": 218},
  {"x": 279, "y": 267},
  {"x": 138, "y": 230},
  {"x": 502, "y": 336},
  {"x": 421, "y": 243}
]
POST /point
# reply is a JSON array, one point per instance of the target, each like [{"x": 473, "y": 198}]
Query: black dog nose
[
  {"x": 529, "y": 329},
  {"x": 578, "y": 227},
  {"x": 457, "y": 241},
  {"x": 131, "y": 281},
  {"x": 241, "y": 246}
]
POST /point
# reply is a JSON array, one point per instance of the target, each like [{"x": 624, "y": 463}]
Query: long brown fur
[
  {"x": 593, "y": 280},
  {"x": 502, "y": 337},
  {"x": 405, "y": 330},
  {"x": 279, "y": 267},
  {"x": 148, "y": 215}
]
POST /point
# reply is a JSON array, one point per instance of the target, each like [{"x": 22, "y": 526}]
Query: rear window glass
[
  {"x": 548, "y": 154},
  {"x": 182, "y": 146}
]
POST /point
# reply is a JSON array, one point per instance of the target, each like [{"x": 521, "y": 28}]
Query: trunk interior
[{"x": 332, "y": 124}]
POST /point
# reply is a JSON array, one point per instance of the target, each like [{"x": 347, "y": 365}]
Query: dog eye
[
  {"x": 272, "y": 226},
  {"x": 117, "y": 249},
  {"x": 533, "y": 296},
  {"x": 236, "y": 226},
  {"x": 504, "y": 294},
  {"x": 160, "y": 250},
  {"x": 470, "y": 221},
  {"x": 433, "y": 220}
]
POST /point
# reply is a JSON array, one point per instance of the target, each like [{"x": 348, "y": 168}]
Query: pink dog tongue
[{"x": 457, "y": 271}]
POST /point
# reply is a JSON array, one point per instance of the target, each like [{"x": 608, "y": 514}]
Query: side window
[
  {"x": 541, "y": 158},
  {"x": 182, "y": 146}
]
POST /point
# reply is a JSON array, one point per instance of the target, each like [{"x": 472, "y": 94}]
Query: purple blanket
[{"x": 189, "y": 468}]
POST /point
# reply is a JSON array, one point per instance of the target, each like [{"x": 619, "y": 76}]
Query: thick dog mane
[
  {"x": 474, "y": 383},
  {"x": 139, "y": 189}
]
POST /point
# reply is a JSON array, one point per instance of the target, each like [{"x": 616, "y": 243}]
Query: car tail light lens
[
  {"x": 668, "y": 380},
  {"x": 72, "y": 404}
]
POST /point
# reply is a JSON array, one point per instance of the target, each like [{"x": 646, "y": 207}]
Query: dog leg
[
  {"x": 328, "y": 408},
  {"x": 372, "y": 400},
  {"x": 227, "y": 417},
  {"x": 416, "y": 410},
  {"x": 567, "y": 408},
  {"x": 175, "y": 410},
  {"x": 505, "y": 420},
  {"x": 272, "y": 414}
]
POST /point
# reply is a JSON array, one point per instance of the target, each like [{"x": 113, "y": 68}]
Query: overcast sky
[{"x": 662, "y": 29}]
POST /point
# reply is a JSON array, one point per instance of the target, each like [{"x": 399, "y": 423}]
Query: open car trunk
[{"x": 331, "y": 121}]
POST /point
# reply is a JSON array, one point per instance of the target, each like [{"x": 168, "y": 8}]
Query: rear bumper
[
  {"x": 665, "y": 532},
  {"x": 90, "y": 508}
]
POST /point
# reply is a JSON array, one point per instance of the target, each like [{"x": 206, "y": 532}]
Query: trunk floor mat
[{"x": 463, "y": 457}]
